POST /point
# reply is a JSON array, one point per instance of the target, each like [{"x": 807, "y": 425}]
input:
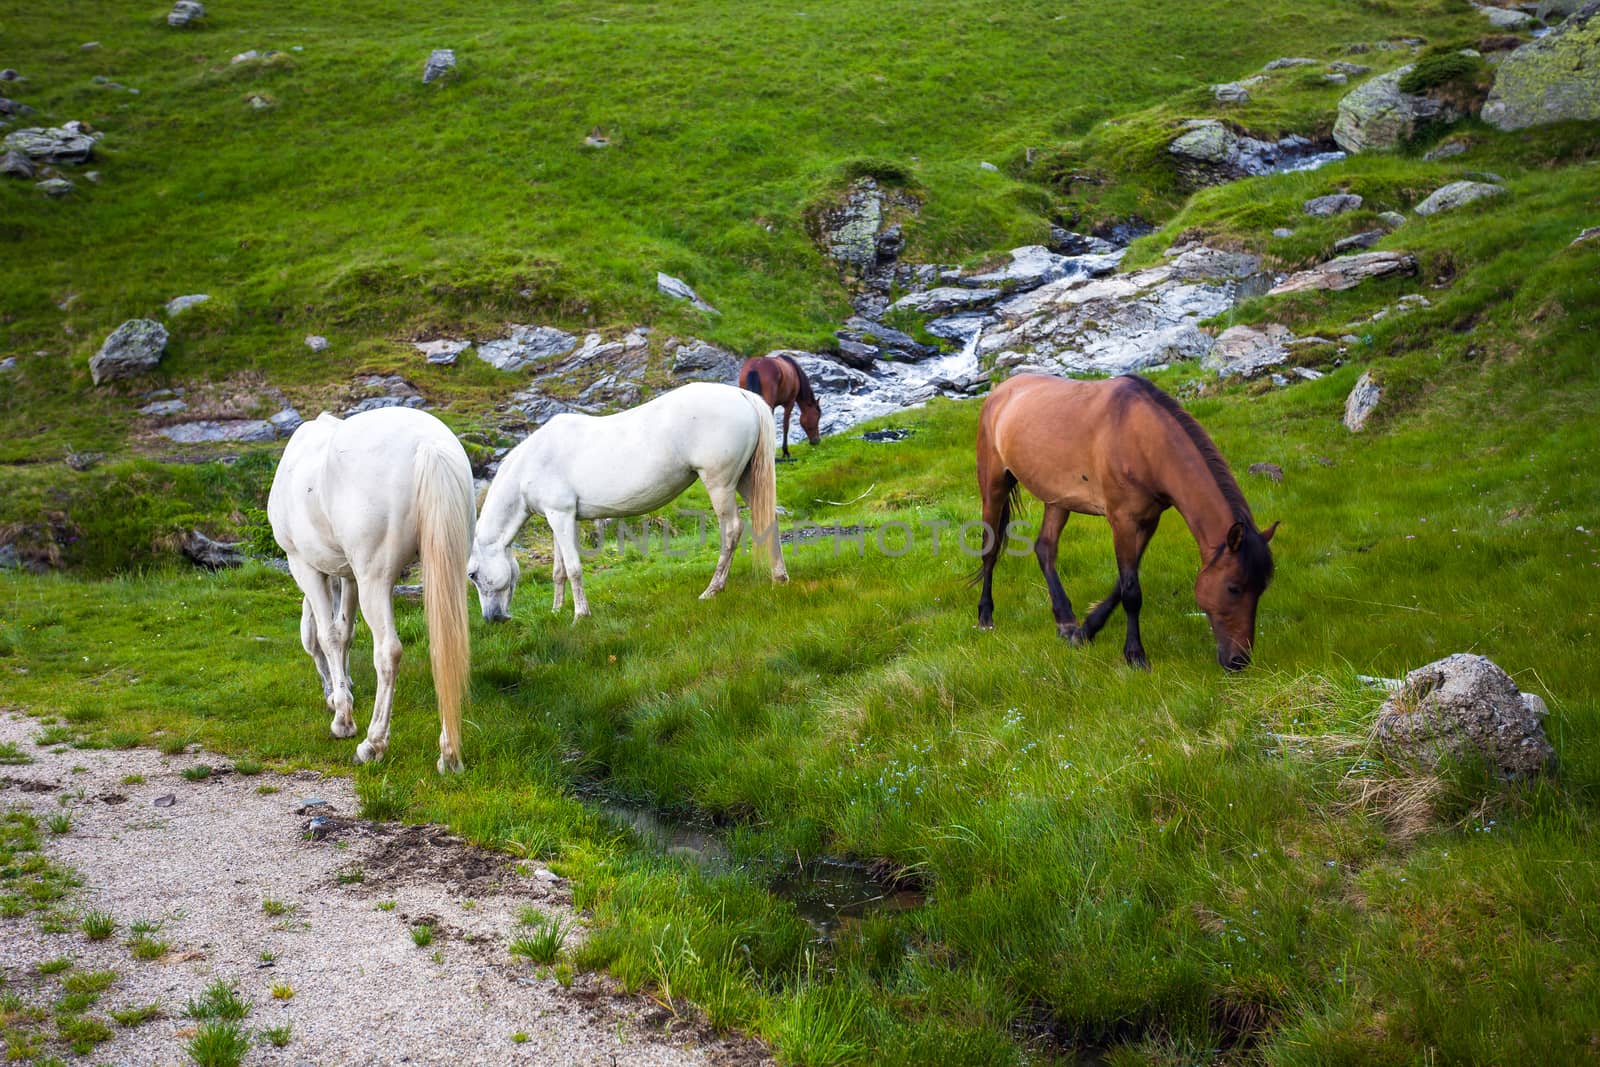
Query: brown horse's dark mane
[
  {"x": 803, "y": 395},
  {"x": 1254, "y": 552}
]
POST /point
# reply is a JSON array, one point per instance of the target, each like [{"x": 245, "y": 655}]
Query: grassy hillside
[{"x": 1173, "y": 867}]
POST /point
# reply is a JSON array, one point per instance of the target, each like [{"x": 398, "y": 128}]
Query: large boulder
[
  {"x": 863, "y": 341},
  {"x": 1553, "y": 79},
  {"x": 1464, "y": 707},
  {"x": 55, "y": 144},
  {"x": 1210, "y": 153},
  {"x": 1347, "y": 272},
  {"x": 1377, "y": 116},
  {"x": 1457, "y": 194},
  {"x": 133, "y": 348},
  {"x": 701, "y": 361}
]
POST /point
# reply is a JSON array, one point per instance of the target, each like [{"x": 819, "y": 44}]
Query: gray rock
[
  {"x": 678, "y": 289},
  {"x": 863, "y": 341},
  {"x": 1464, "y": 707},
  {"x": 16, "y": 165},
  {"x": 160, "y": 408},
  {"x": 1347, "y": 272},
  {"x": 1336, "y": 79},
  {"x": 859, "y": 233},
  {"x": 1270, "y": 471},
  {"x": 536, "y": 407},
  {"x": 286, "y": 422},
  {"x": 611, "y": 391},
  {"x": 441, "y": 62},
  {"x": 185, "y": 13},
  {"x": 945, "y": 299},
  {"x": 1377, "y": 116},
  {"x": 985, "y": 165},
  {"x": 13, "y": 109},
  {"x": 316, "y": 342},
  {"x": 1559, "y": 8},
  {"x": 1231, "y": 93},
  {"x": 373, "y": 403},
  {"x": 1446, "y": 149},
  {"x": 1362, "y": 402},
  {"x": 1553, "y": 79},
  {"x": 442, "y": 352},
  {"x": 179, "y": 304},
  {"x": 1282, "y": 232},
  {"x": 55, "y": 144},
  {"x": 525, "y": 345},
  {"x": 1031, "y": 266},
  {"x": 132, "y": 348},
  {"x": 1246, "y": 351},
  {"x": 700, "y": 361},
  {"x": 1332, "y": 204},
  {"x": 1066, "y": 243},
  {"x": 54, "y": 187},
  {"x": 213, "y": 555},
  {"x": 1210, "y": 153},
  {"x": 10, "y": 558},
  {"x": 1365, "y": 239},
  {"x": 9, "y": 75},
  {"x": 1502, "y": 18},
  {"x": 10, "y": 363},
  {"x": 1392, "y": 219},
  {"x": 1290, "y": 61},
  {"x": 1456, "y": 194},
  {"x": 1202, "y": 262},
  {"x": 1585, "y": 236},
  {"x": 208, "y": 431},
  {"x": 1350, "y": 70}
]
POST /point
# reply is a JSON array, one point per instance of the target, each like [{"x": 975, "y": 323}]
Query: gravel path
[{"x": 203, "y": 857}]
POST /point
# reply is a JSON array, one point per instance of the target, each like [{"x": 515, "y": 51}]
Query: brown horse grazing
[
  {"x": 782, "y": 383},
  {"x": 1123, "y": 449}
]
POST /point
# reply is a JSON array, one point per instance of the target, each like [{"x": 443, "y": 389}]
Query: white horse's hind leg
[
  {"x": 318, "y": 590},
  {"x": 564, "y": 524},
  {"x": 378, "y": 610},
  {"x": 558, "y": 576},
  {"x": 726, "y": 505},
  {"x": 308, "y": 641}
]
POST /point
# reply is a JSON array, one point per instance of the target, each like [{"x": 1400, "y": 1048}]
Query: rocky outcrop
[
  {"x": 1464, "y": 708},
  {"x": 132, "y": 348},
  {"x": 1347, "y": 272},
  {"x": 524, "y": 346},
  {"x": 1457, "y": 194},
  {"x": 441, "y": 61},
  {"x": 208, "y": 431},
  {"x": 1376, "y": 116},
  {"x": 1362, "y": 402},
  {"x": 1553, "y": 79},
  {"x": 71, "y": 143},
  {"x": 1505, "y": 18},
  {"x": 213, "y": 555},
  {"x": 1246, "y": 351},
  {"x": 16, "y": 164},
  {"x": 1211, "y": 153},
  {"x": 678, "y": 289},
  {"x": 862, "y": 342},
  {"x": 861, "y": 234},
  {"x": 700, "y": 361},
  {"x": 945, "y": 299}
]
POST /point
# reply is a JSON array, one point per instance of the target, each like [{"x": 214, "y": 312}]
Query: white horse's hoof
[
  {"x": 342, "y": 730},
  {"x": 367, "y": 752},
  {"x": 450, "y": 766},
  {"x": 781, "y": 577}
]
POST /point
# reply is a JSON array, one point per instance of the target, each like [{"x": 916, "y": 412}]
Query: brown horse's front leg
[
  {"x": 1044, "y": 550},
  {"x": 1130, "y": 538},
  {"x": 788, "y": 409}
]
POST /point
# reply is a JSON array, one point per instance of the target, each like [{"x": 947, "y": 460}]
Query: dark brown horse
[
  {"x": 782, "y": 383},
  {"x": 1123, "y": 449}
]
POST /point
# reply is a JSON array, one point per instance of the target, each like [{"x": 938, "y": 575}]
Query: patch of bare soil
[{"x": 246, "y": 890}]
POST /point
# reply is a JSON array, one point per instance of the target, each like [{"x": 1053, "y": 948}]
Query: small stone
[
  {"x": 1502, "y": 18},
  {"x": 9, "y": 75},
  {"x": 989, "y": 166},
  {"x": 443, "y": 353},
  {"x": 1352, "y": 70},
  {"x": 166, "y": 800},
  {"x": 245, "y": 57},
  {"x": 680, "y": 290},
  {"x": 1333, "y": 204},
  {"x": 92, "y": 176},
  {"x": 1290, "y": 61},
  {"x": 1365, "y": 239},
  {"x": 1336, "y": 79},
  {"x": 441, "y": 62},
  {"x": 1231, "y": 93},
  {"x": 316, "y": 342},
  {"x": 185, "y": 12},
  {"x": 159, "y": 408},
  {"x": 213, "y": 555},
  {"x": 8, "y": 364},
  {"x": 1282, "y": 232},
  {"x": 89, "y": 46},
  {"x": 1362, "y": 402},
  {"x": 1268, "y": 470},
  {"x": 70, "y": 143},
  {"x": 1590, "y": 234},
  {"x": 1392, "y": 219},
  {"x": 1445, "y": 150},
  {"x": 179, "y": 304}
]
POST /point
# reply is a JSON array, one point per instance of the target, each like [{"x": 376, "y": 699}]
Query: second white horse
[{"x": 586, "y": 467}]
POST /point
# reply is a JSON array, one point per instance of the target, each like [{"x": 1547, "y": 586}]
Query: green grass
[
  {"x": 218, "y": 1043},
  {"x": 145, "y": 947},
  {"x": 198, "y": 773},
  {"x": 60, "y": 822},
  {"x": 137, "y": 1015},
  {"x": 542, "y": 939},
  {"x": 278, "y": 1036},
  {"x": 274, "y": 907},
  {"x": 219, "y": 1000},
  {"x": 98, "y": 925},
  {"x": 11, "y": 755},
  {"x": 422, "y": 935}
]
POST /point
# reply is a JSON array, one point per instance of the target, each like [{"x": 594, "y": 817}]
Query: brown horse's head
[
  {"x": 810, "y": 410},
  {"x": 1229, "y": 587}
]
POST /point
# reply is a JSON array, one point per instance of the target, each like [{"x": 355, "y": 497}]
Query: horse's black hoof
[
  {"x": 1136, "y": 659},
  {"x": 1074, "y": 635},
  {"x": 985, "y": 624},
  {"x": 784, "y": 459}
]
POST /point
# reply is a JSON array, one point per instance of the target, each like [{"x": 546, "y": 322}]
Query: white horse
[
  {"x": 355, "y": 502},
  {"x": 585, "y": 467}
]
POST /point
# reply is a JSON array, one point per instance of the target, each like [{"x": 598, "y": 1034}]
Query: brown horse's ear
[
  {"x": 1235, "y": 536},
  {"x": 1266, "y": 535}
]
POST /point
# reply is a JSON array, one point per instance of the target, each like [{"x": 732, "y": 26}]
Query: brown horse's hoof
[
  {"x": 985, "y": 625},
  {"x": 1137, "y": 660}
]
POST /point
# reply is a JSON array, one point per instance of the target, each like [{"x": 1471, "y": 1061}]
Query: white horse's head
[{"x": 493, "y": 569}]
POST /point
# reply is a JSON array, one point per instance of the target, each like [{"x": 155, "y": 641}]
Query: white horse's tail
[
  {"x": 444, "y": 528},
  {"x": 762, "y": 478}
]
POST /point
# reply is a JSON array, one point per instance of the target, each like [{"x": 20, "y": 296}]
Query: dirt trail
[{"x": 204, "y": 862}]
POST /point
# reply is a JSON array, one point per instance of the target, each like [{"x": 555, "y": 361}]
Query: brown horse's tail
[
  {"x": 761, "y": 481},
  {"x": 752, "y": 380},
  {"x": 444, "y": 529}
]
